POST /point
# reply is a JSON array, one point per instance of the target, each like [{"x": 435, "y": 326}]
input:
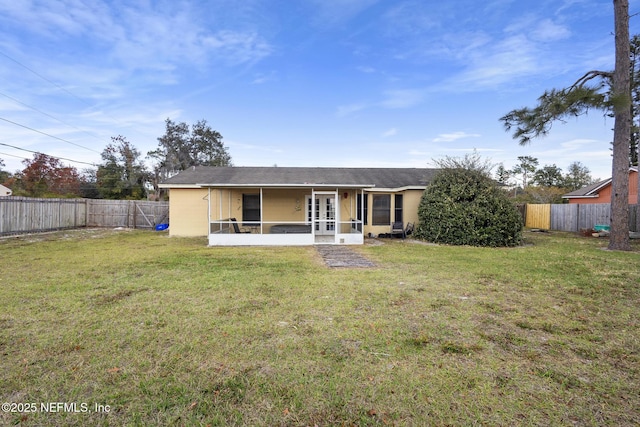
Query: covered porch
[{"x": 299, "y": 215}]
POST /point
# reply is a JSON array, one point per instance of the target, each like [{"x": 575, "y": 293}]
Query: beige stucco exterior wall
[
  {"x": 188, "y": 208},
  {"x": 348, "y": 205},
  {"x": 188, "y": 212},
  {"x": 410, "y": 203},
  {"x": 284, "y": 205}
]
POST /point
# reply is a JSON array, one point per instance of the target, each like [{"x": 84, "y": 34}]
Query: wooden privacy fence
[
  {"x": 126, "y": 213},
  {"x": 538, "y": 216},
  {"x": 573, "y": 217},
  {"x": 25, "y": 214}
]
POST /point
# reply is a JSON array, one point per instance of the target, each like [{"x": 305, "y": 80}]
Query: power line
[
  {"x": 39, "y": 152},
  {"x": 56, "y": 85},
  {"x": 13, "y": 155},
  {"x": 49, "y": 135},
  {"x": 43, "y": 77},
  {"x": 48, "y": 115}
]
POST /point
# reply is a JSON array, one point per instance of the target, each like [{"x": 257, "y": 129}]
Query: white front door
[{"x": 325, "y": 220}]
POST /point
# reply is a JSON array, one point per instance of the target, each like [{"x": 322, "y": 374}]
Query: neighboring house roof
[
  {"x": 4, "y": 191},
  {"x": 390, "y": 178},
  {"x": 591, "y": 191},
  {"x": 588, "y": 191}
]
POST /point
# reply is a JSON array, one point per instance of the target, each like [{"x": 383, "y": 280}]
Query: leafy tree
[
  {"x": 45, "y": 176},
  {"x": 502, "y": 175},
  {"x": 549, "y": 176},
  {"x": 466, "y": 207},
  {"x": 470, "y": 161},
  {"x": 89, "y": 184},
  {"x": 526, "y": 168},
  {"x": 542, "y": 194},
  {"x": 4, "y": 175},
  {"x": 603, "y": 90},
  {"x": 180, "y": 148},
  {"x": 577, "y": 176},
  {"x": 122, "y": 174}
]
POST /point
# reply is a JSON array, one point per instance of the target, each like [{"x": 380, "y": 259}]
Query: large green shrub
[{"x": 466, "y": 207}]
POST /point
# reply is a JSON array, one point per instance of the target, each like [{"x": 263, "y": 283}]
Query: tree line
[
  {"x": 529, "y": 183},
  {"x": 123, "y": 172}
]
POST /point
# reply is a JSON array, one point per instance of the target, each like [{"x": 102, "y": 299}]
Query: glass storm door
[{"x": 325, "y": 221}]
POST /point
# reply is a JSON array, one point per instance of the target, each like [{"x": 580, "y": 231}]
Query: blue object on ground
[{"x": 162, "y": 227}]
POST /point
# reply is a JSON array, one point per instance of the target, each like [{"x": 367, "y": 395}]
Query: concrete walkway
[{"x": 342, "y": 256}]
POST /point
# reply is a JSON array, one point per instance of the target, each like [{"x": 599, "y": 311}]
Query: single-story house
[
  {"x": 600, "y": 192},
  {"x": 292, "y": 205}
]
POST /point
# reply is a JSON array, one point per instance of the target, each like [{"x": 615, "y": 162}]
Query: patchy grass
[{"x": 167, "y": 331}]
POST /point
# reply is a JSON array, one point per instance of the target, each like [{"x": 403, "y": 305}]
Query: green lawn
[{"x": 167, "y": 331}]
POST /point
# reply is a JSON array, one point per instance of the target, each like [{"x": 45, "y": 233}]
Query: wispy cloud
[
  {"x": 345, "y": 110},
  {"x": 411, "y": 18},
  {"x": 253, "y": 147},
  {"x": 454, "y": 136},
  {"x": 391, "y": 99},
  {"x": 390, "y": 132},
  {"x": 366, "y": 69},
  {"x": 402, "y": 98},
  {"x": 141, "y": 36},
  {"x": 262, "y": 78},
  {"x": 336, "y": 12},
  {"x": 547, "y": 30},
  {"x": 480, "y": 56},
  {"x": 500, "y": 63}
]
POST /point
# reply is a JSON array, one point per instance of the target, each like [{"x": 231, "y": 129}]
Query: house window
[
  {"x": 250, "y": 209},
  {"x": 381, "y": 209},
  {"x": 308, "y": 209},
  {"x": 359, "y": 208},
  {"x": 398, "y": 208}
]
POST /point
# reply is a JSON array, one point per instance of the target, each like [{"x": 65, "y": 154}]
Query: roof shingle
[{"x": 295, "y": 176}]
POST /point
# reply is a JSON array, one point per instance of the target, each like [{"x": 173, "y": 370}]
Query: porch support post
[
  {"x": 337, "y": 215},
  {"x": 261, "y": 212},
  {"x": 220, "y": 214},
  {"x": 362, "y": 202},
  {"x": 313, "y": 214}
]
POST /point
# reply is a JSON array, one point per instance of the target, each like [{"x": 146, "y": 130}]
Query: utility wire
[
  {"x": 49, "y": 135},
  {"x": 13, "y": 155},
  {"x": 56, "y": 85},
  {"x": 43, "y": 77},
  {"x": 39, "y": 152},
  {"x": 49, "y": 115}
]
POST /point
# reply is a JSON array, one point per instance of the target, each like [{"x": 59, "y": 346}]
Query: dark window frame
[
  {"x": 381, "y": 209},
  {"x": 359, "y": 208},
  {"x": 397, "y": 208},
  {"x": 250, "y": 209}
]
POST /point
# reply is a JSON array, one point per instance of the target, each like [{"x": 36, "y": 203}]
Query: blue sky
[{"x": 350, "y": 83}]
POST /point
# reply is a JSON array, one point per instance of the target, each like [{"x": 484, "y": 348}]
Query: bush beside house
[{"x": 466, "y": 207}]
